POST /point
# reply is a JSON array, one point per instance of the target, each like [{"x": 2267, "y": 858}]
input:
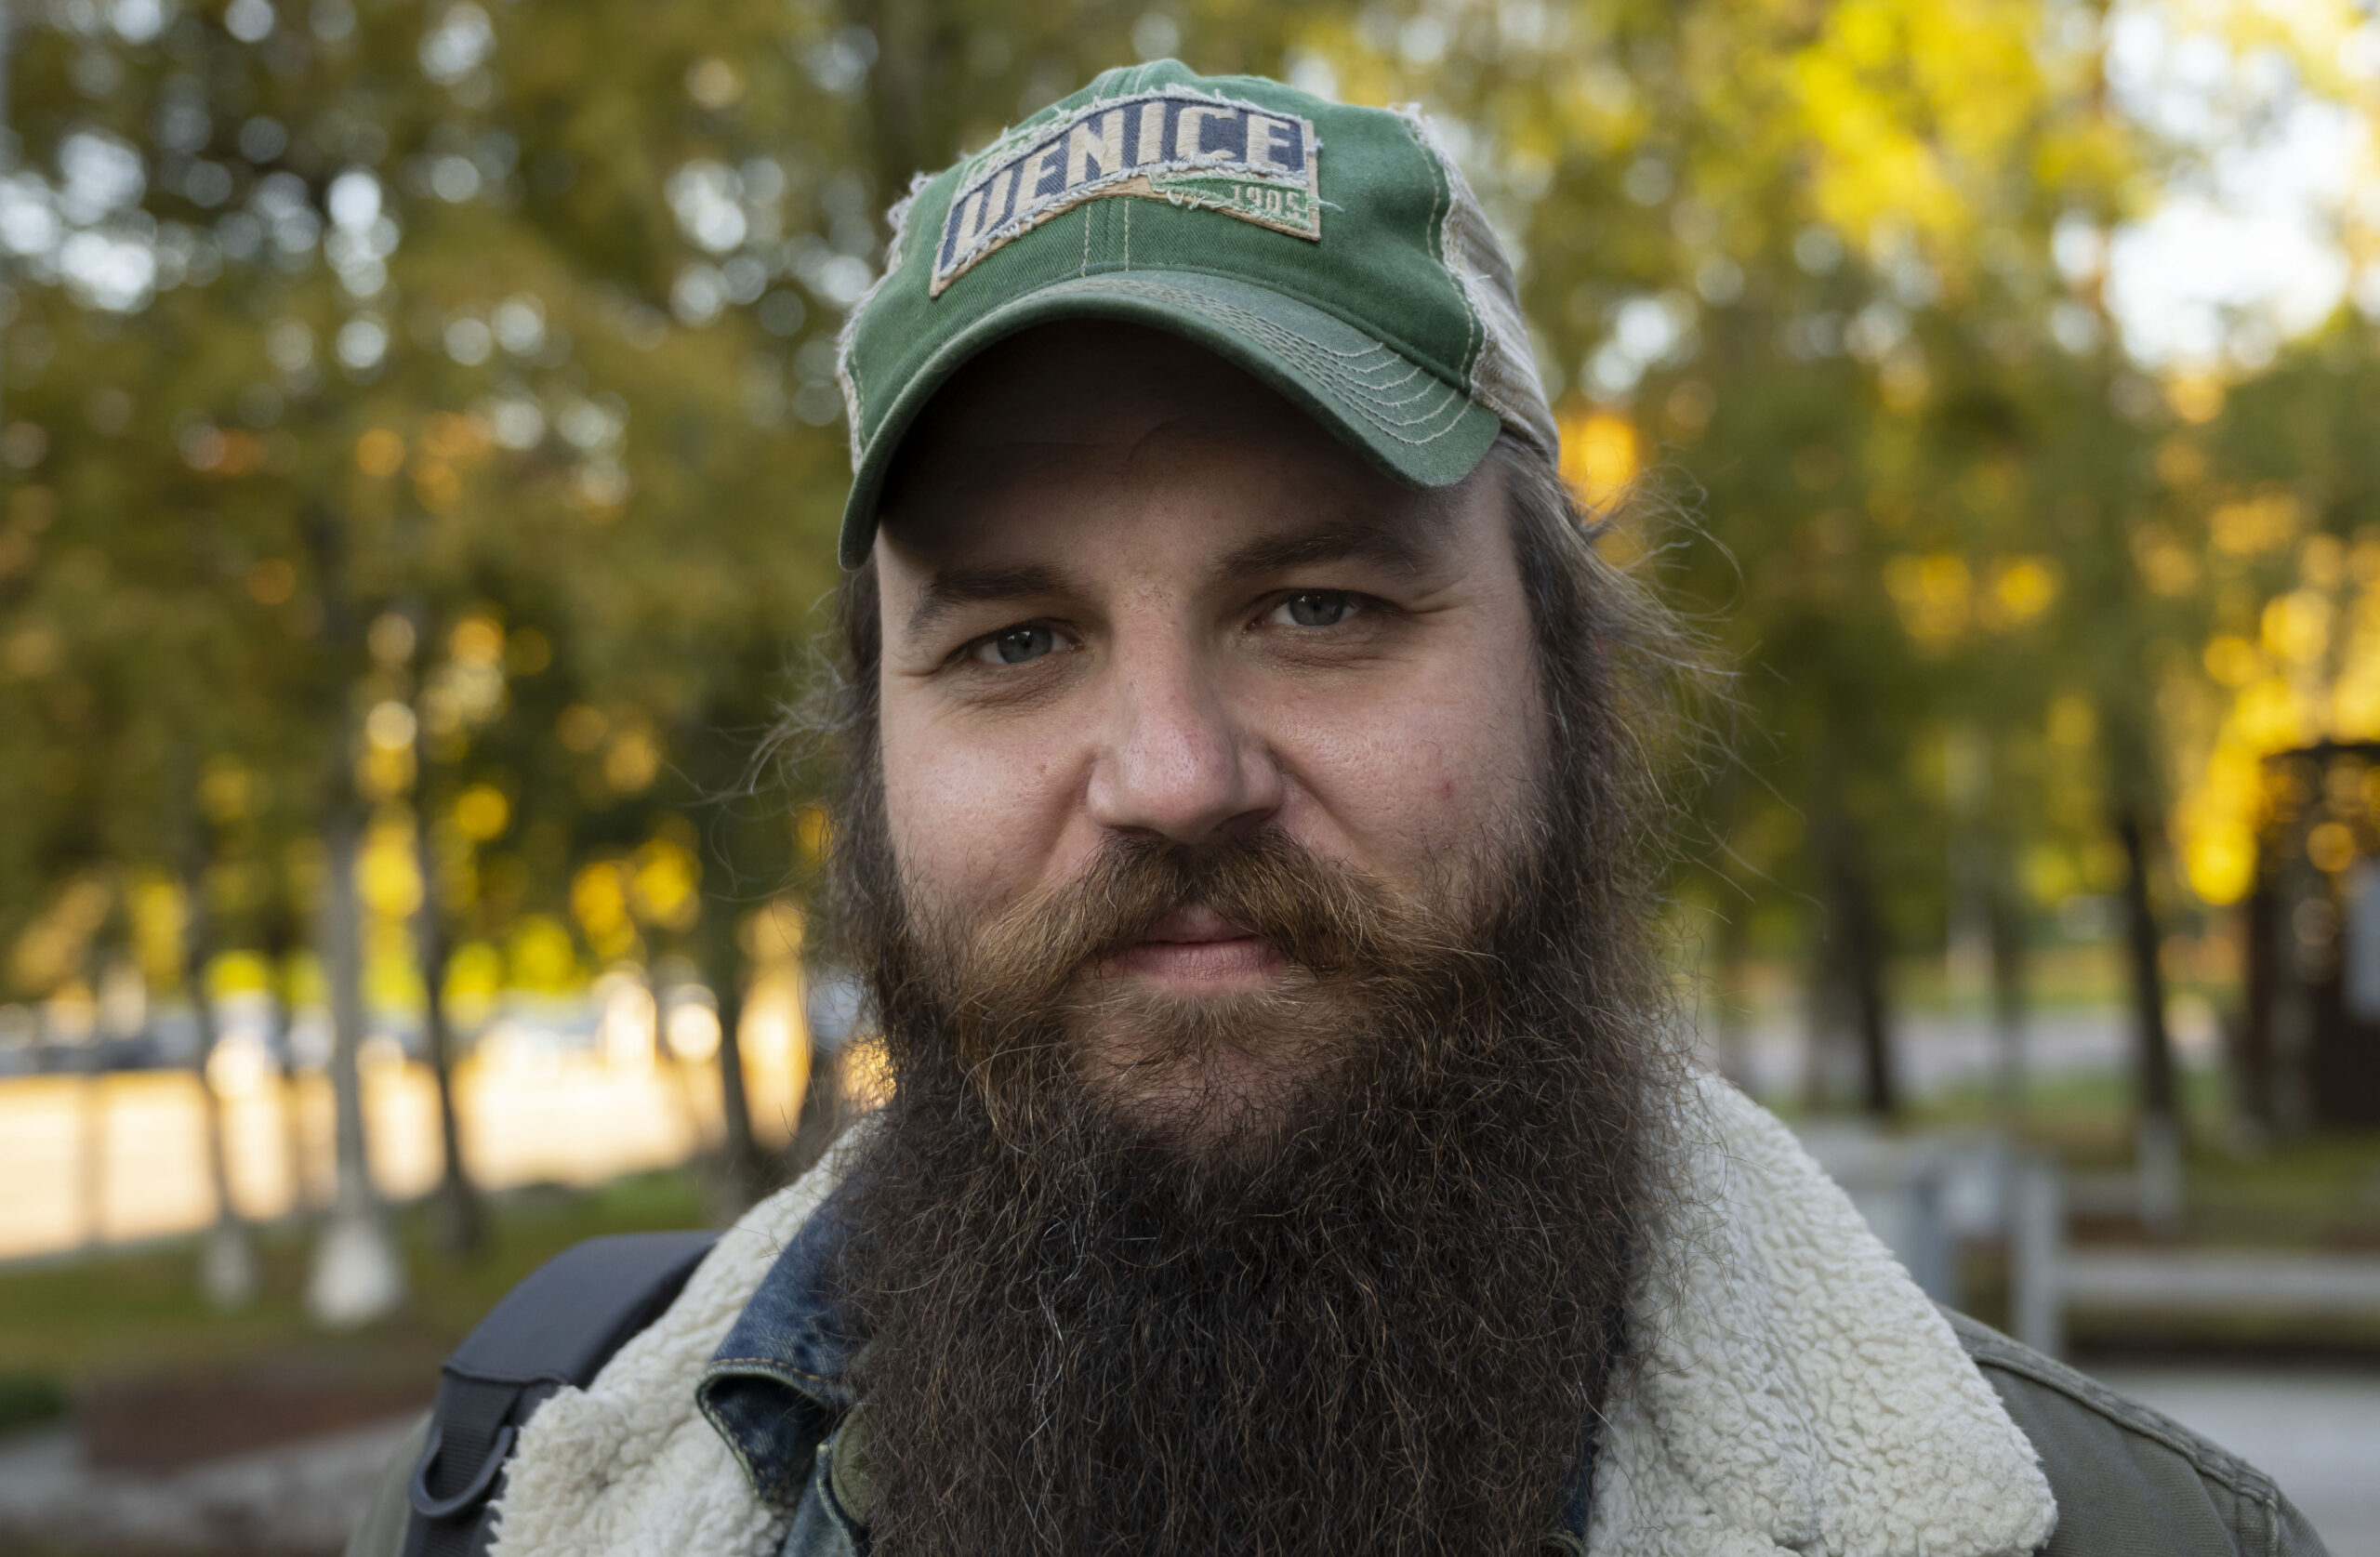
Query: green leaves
[{"x": 523, "y": 314}]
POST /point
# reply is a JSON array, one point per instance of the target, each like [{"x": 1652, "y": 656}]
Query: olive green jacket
[{"x": 2130, "y": 1483}]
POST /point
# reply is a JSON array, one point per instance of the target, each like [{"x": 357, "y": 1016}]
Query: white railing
[{"x": 1924, "y": 1197}]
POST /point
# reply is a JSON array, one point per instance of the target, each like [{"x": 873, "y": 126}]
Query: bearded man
[{"x": 1250, "y": 839}]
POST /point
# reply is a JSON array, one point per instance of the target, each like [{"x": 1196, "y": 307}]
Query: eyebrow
[
  {"x": 1397, "y": 548},
  {"x": 1394, "y": 547},
  {"x": 961, "y": 585}
]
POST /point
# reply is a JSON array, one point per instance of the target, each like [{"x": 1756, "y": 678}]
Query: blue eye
[
  {"x": 1316, "y": 608},
  {"x": 1018, "y": 645}
]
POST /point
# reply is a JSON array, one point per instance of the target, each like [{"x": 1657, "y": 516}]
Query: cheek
[
  {"x": 1426, "y": 770},
  {"x": 972, "y": 820}
]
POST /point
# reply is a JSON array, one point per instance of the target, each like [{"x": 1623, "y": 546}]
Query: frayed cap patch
[{"x": 1186, "y": 147}]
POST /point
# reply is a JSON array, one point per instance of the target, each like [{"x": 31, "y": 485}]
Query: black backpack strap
[{"x": 560, "y": 1326}]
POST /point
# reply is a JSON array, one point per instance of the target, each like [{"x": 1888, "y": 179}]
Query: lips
[
  {"x": 1195, "y": 948},
  {"x": 1193, "y": 926}
]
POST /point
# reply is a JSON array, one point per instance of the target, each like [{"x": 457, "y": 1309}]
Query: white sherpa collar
[
  {"x": 1794, "y": 1392},
  {"x": 1794, "y": 1389}
]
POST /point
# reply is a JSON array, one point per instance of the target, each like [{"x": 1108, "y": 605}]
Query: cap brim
[{"x": 1403, "y": 418}]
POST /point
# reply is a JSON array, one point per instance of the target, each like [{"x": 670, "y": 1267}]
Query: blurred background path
[{"x": 122, "y": 1156}]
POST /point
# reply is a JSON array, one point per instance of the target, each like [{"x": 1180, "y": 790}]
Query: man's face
[
  {"x": 1130, "y": 595},
  {"x": 1267, "y": 1012}
]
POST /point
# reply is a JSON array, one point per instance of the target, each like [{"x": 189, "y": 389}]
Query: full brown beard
[{"x": 1367, "y": 1309}]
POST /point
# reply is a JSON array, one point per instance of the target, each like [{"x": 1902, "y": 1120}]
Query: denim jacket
[{"x": 778, "y": 1391}]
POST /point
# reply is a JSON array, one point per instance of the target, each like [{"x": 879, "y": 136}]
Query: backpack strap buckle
[
  {"x": 427, "y": 1506},
  {"x": 554, "y": 1331}
]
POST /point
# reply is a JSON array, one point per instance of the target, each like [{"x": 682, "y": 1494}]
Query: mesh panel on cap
[
  {"x": 897, "y": 219},
  {"x": 1503, "y": 371}
]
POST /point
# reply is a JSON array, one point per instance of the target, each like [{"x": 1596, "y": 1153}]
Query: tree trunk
[
  {"x": 456, "y": 1221},
  {"x": 357, "y": 1275},
  {"x": 459, "y": 1226},
  {"x": 2256, "y": 1094},
  {"x": 1731, "y": 1028},
  {"x": 280, "y": 941},
  {"x": 1878, "y": 1082},
  {"x": 227, "y": 1274},
  {"x": 357, "y": 1278},
  {"x": 2009, "y": 1003},
  {"x": 822, "y": 1113},
  {"x": 8, "y": 143},
  {"x": 2159, "y": 1114},
  {"x": 91, "y": 1177},
  {"x": 1821, "y": 1019},
  {"x": 743, "y": 1167},
  {"x": 1968, "y": 874},
  {"x": 1857, "y": 961},
  {"x": 904, "y": 111},
  {"x": 827, "y": 1031}
]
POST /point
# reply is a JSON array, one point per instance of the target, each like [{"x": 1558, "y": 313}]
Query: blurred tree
[
  {"x": 397, "y": 276},
  {"x": 479, "y": 319}
]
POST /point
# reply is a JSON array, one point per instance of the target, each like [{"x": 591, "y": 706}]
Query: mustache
[{"x": 1327, "y": 917}]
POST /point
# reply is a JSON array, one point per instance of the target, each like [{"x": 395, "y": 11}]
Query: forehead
[{"x": 1117, "y": 416}]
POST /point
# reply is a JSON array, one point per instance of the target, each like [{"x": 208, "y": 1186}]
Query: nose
[{"x": 1177, "y": 757}]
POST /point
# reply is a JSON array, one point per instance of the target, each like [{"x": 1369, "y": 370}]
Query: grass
[
  {"x": 29, "y": 1398},
  {"x": 2083, "y": 1116},
  {"x": 2320, "y": 1192},
  {"x": 2085, "y": 976},
  {"x": 140, "y": 1311}
]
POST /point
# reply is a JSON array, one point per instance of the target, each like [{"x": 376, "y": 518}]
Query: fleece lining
[{"x": 1792, "y": 1390}]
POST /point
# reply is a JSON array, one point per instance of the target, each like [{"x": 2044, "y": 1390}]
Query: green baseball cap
[{"x": 1336, "y": 253}]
